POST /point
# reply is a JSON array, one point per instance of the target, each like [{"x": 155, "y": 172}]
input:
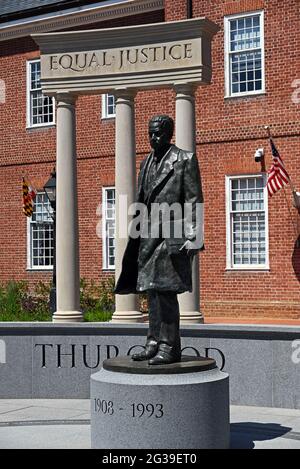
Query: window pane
[
  {"x": 248, "y": 222},
  {"x": 233, "y": 25},
  {"x": 109, "y": 211},
  {"x": 41, "y": 107},
  {"x": 110, "y": 108},
  {"x": 245, "y": 36},
  {"x": 41, "y": 232},
  {"x": 241, "y": 24},
  {"x": 242, "y": 71},
  {"x": 35, "y": 75}
]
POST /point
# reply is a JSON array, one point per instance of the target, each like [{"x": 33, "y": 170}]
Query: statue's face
[{"x": 158, "y": 138}]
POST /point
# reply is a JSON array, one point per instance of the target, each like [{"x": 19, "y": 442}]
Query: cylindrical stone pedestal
[{"x": 156, "y": 407}]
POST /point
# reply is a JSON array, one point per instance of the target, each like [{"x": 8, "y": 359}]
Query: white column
[
  {"x": 67, "y": 233},
  {"x": 186, "y": 139},
  {"x": 127, "y": 310}
]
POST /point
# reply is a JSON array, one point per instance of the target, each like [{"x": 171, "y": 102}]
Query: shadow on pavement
[{"x": 244, "y": 434}]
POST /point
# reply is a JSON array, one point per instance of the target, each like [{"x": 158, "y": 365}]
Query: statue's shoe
[
  {"x": 165, "y": 358},
  {"x": 149, "y": 352}
]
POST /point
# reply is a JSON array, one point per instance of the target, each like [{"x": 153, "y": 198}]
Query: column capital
[
  {"x": 66, "y": 98},
  {"x": 185, "y": 90},
  {"x": 124, "y": 94}
]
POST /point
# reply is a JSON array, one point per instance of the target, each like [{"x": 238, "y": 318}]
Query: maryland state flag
[{"x": 28, "y": 196}]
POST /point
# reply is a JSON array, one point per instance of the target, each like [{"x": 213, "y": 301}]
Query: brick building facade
[{"x": 231, "y": 116}]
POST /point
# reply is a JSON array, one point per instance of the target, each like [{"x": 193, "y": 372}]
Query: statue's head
[{"x": 161, "y": 129}]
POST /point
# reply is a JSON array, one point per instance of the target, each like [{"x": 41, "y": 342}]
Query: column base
[
  {"x": 67, "y": 316},
  {"x": 127, "y": 317},
  {"x": 191, "y": 317}
]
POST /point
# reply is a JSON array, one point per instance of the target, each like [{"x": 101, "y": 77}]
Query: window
[
  {"x": 108, "y": 198},
  {"x": 40, "y": 108},
  {"x": 108, "y": 106},
  {"x": 244, "y": 54},
  {"x": 40, "y": 234},
  {"x": 247, "y": 224}
]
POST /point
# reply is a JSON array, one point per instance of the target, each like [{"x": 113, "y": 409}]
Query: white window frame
[
  {"x": 29, "y": 124},
  {"x": 229, "y": 257},
  {"x": 30, "y": 265},
  {"x": 227, "y": 19},
  {"x": 105, "y": 265},
  {"x": 105, "y": 114}
]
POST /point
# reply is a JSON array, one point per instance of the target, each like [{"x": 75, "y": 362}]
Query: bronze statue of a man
[{"x": 159, "y": 261}]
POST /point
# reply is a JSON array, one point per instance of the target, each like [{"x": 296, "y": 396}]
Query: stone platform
[
  {"x": 56, "y": 360},
  {"x": 183, "y": 405}
]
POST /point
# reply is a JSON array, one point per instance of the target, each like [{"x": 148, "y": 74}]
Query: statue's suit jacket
[{"x": 157, "y": 263}]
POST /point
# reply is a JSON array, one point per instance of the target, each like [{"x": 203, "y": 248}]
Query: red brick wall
[
  {"x": 32, "y": 152},
  {"x": 175, "y": 10},
  {"x": 239, "y": 6},
  {"x": 228, "y": 133}
]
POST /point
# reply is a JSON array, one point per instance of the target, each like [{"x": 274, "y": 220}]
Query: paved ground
[{"x": 52, "y": 423}]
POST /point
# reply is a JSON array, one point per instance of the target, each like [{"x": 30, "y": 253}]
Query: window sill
[
  {"x": 108, "y": 118},
  {"x": 108, "y": 270},
  {"x": 246, "y": 95},
  {"x": 37, "y": 269},
  {"x": 41, "y": 127},
  {"x": 247, "y": 270}
]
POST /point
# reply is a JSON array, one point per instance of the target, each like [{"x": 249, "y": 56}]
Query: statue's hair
[{"x": 166, "y": 122}]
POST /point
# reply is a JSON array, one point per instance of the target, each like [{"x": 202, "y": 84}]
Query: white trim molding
[
  {"x": 230, "y": 266},
  {"x": 88, "y": 14},
  {"x": 227, "y": 52},
  {"x": 105, "y": 260}
]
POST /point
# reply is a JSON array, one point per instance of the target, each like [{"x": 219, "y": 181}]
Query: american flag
[{"x": 277, "y": 175}]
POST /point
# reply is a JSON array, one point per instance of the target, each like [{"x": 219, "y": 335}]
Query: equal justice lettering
[{"x": 122, "y": 58}]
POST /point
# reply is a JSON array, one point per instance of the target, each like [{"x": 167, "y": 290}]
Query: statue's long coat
[{"x": 156, "y": 262}]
